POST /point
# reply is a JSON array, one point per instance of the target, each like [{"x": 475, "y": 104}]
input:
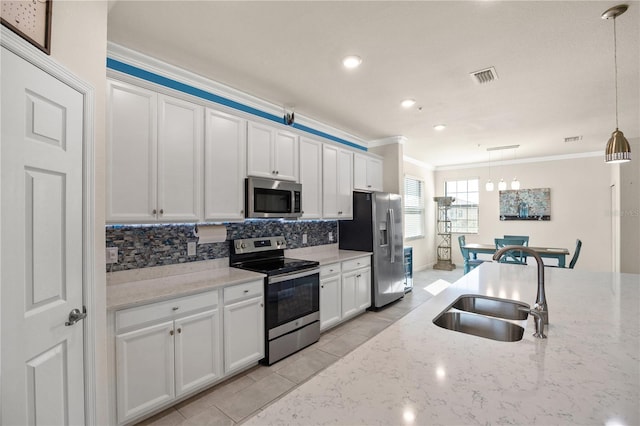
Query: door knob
[{"x": 75, "y": 315}]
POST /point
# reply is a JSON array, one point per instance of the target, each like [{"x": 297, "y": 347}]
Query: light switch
[
  {"x": 112, "y": 255},
  {"x": 304, "y": 238},
  {"x": 191, "y": 248}
]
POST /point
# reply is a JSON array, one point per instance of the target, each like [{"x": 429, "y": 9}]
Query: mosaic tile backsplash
[{"x": 143, "y": 246}]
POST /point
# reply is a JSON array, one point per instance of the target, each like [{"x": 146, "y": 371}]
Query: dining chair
[
  {"x": 512, "y": 256},
  {"x": 469, "y": 263},
  {"x": 574, "y": 259},
  {"x": 524, "y": 237}
]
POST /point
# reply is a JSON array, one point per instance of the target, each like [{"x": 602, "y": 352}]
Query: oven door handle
[{"x": 292, "y": 276}]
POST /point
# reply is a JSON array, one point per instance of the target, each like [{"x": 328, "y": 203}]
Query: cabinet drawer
[
  {"x": 243, "y": 291},
  {"x": 360, "y": 262},
  {"x": 174, "y": 308},
  {"x": 328, "y": 270}
]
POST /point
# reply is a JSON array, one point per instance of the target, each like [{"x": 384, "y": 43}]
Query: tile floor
[{"x": 233, "y": 401}]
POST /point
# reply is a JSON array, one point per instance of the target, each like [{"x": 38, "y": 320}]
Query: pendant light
[
  {"x": 515, "y": 183},
  {"x": 618, "y": 149},
  {"x": 502, "y": 185},
  {"x": 489, "y": 185}
]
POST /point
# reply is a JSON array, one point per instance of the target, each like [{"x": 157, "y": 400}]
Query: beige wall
[
  {"x": 79, "y": 43},
  {"x": 630, "y": 212},
  {"x": 580, "y": 207}
]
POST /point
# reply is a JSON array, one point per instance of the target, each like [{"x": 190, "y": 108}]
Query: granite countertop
[
  {"x": 147, "y": 285},
  {"x": 586, "y": 372},
  {"x": 126, "y": 289}
]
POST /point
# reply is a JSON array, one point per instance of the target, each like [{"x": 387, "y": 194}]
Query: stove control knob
[{"x": 243, "y": 245}]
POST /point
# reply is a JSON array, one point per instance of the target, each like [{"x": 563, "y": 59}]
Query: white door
[
  {"x": 41, "y": 255},
  {"x": 285, "y": 156},
  {"x": 311, "y": 178},
  {"x": 329, "y": 302},
  {"x": 243, "y": 333},
  {"x": 260, "y": 151}
]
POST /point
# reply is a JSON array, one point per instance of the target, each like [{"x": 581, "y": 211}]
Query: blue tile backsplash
[{"x": 143, "y": 246}]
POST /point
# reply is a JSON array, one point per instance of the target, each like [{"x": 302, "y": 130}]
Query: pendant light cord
[{"x": 615, "y": 65}]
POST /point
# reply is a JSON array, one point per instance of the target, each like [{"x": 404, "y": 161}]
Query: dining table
[{"x": 544, "y": 252}]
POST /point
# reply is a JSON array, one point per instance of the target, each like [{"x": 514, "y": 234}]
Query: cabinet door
[
  {"x": 180, "y": 140},
  {"x": 198, "y": 351},
  {"x": 363, "y": 288},
  {"x": 345, "y": 184},
  {"x": 329, "y": 302},
  {"x": 131, "y": 154},
  {"x": 243, "y": 333},
  {"x": 144, "y": 370},
  {"x": 374, "y": 174},
  {"x": 349, "y": 291},
  {"x": 260, "y": 140},
  {"x": 311, "y": 178},
  {"x": 285, "y": 156},
  {"x": 329, "y": 182},
  {"x": 360, "y": 172},
  {"x": 224, "y": 170}
]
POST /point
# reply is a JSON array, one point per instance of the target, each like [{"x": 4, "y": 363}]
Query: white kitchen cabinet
[
  {"x": 311, "y": 178},
  {"x": 330, "y": 296},
  {"x": 154, "y": 156},
  {"x": 367, "y": 173},
  {"x": 243, "y": 325},
  {"x": 271, "y": 153},
  {"x": 356, "y": 286},
  {"x": 337, "y": 182},
  {"x": 165, "y": 350},
  {"x": 225, "y": 166}
]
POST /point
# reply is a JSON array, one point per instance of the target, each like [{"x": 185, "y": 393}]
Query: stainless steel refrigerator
[{"x": 377, "y": 227}]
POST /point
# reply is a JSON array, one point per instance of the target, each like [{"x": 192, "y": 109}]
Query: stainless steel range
[{"x": 292, "y": 294}]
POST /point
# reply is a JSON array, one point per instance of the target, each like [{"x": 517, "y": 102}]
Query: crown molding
[
  {"x": 388, "y": 141},
  {"x": 418, "y": 163},
  {"x": 156, "y": 66}
]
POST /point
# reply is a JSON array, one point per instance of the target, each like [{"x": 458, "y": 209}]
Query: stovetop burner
[{"x": 266, "y": 255}]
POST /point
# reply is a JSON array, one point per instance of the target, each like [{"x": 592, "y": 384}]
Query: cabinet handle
[
  {"x": 179, "y": 330},
  {"x": 246, "y": 291},
  {"x": 171, "y": 332},
  {"x": 175, "y": 308},
  {"x": 277, "y": 172},
  {"x": 273, "y": 172},
  {"x": 154, "y": 212},
  {"x": 161, "y": 211},
  {"x": 368, "y": 186},
  {"x": 321, "y": 286},
  {"x": 242, "y": 211},
  {"x": 262, "y": 305},
  {"x": 358, "y": 276}
]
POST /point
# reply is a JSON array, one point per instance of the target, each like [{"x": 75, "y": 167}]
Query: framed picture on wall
[
  {"x": 30, "y": 19},
  {"x": 525, "y": 204}
]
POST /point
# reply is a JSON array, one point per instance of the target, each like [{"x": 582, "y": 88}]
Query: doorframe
[{"x": 26, "y": 51}]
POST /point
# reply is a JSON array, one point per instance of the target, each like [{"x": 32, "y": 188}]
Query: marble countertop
[
  {"x": 586, "y": 372},
  {"x": 126, "y": 289}
]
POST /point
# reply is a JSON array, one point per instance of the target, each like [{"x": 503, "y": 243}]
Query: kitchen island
[{"x": 586, "y": 372}]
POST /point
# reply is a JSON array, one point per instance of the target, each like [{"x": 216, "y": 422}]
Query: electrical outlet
[
  {"x": 304, "y": 238},
  {"x": 191, "y": 248},
  {"x": 330, "y": 237},
  {"x": 112, "y": 255}
]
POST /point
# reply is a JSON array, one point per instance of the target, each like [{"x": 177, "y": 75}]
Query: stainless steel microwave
[{"x": 268, "y": 198}]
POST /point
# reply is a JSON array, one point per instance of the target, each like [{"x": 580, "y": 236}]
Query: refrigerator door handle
[{"x": 392, "y": 236}]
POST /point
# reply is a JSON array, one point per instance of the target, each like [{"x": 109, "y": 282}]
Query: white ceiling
[{"x": 554, "y": 61}]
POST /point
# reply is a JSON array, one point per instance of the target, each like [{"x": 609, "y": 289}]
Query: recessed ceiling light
[
  {"x": 352, "y": 61},
  {"x": 439, "y": 127},
  {"x": 408, "y": 103}
]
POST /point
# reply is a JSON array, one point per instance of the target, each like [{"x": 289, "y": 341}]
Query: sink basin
[
  {"x": 479, "y": 325},
  {"x": 483, "y": 305}
]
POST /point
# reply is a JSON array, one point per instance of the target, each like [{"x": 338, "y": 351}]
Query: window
[
  {"x": 413, "y": 207},
  {"x": 464, "y": 210}
]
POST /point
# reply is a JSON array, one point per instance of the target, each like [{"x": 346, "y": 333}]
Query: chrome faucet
[{"x": 540, "y": 309}]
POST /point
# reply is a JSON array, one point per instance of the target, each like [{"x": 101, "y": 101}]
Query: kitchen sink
[
  {"x": 480, "y": 325},
  {"x": 484, "y": 305}
]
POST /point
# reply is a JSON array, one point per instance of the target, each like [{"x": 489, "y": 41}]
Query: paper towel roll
[{"x": 208, "y": 234}]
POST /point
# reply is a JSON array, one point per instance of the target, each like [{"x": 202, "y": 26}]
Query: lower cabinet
[
  {"x": 345, "y": 290},
  {"x": 243, "y": 325},
  {"x": 330, "y": 296},
  {"x": 166, "y": 350}
]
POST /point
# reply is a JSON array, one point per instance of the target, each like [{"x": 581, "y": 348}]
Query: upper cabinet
[
  {"x": 224, "y": 167},
  {"x": 154, "y": 155},
  {"x": 271, "y": 153},
  {"x": 337, "y": 182},
  {"x": 311, "y": 177},
  {"x": 367, "y": 173}
]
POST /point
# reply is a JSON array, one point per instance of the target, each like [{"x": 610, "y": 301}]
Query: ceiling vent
[
  {"x": 485, "y": 76},
  {"x": 573, "y": 139}
]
